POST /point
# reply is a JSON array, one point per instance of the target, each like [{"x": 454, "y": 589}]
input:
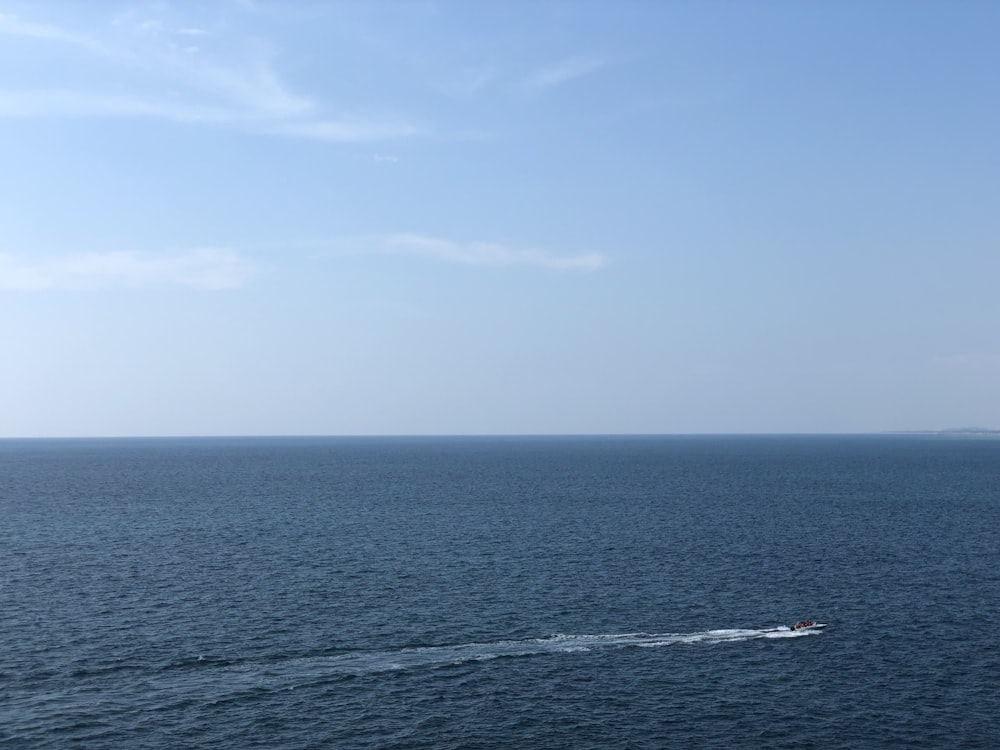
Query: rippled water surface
[{"x": 500, "y": 592}]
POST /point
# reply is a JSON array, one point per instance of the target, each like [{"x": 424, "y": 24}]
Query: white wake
[{"x": 368, "y": 662}]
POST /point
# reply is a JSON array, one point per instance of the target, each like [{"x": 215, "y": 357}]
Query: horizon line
[{"x": 478, "y": 435}]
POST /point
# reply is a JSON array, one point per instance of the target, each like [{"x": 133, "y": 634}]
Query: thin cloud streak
[
  {"x": 56, "y": 103},
  {"x": 483, "y": 253},
  {"x": 202, "y": 268},
  {"x": 562, "y": 72},
  {"x": 12, "y": 25},
  {"x": 467, "y": 82},
  {"x": 346, "y": 130},
  {"x": 61, "y": 103},
  {"x": 246, "y": 94}
]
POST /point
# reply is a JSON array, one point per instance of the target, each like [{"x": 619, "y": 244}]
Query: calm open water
[{"x": 500, "y": 592}]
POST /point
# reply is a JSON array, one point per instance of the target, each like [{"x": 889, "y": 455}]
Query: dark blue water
[{"x": 500, "y": 592}]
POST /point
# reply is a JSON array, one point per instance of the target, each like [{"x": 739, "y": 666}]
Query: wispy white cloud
[
  {"x": 62, "y": 103},
  {"x": 174, "y": 80},
  {"x": 251, "y": 89},
  {"x": 203, "y": 268},
  {"x": 466, "y": 82},
  {"x": 12, "y": 25},
  {"x": 347, "y": 129},
  {"x": 481, "y": 253},
  {"x": 562, "y": 72}
]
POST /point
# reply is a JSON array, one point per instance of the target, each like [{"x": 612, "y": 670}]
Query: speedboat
[{"x": 807, "y": 625}]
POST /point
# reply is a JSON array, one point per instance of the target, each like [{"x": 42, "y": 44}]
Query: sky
[{"x": 294, "y": 217}]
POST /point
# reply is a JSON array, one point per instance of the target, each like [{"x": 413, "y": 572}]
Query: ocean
[{"x": 514, "y": 592}]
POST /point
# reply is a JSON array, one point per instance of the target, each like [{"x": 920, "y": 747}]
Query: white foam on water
[
  {"x": 359, "y": 663},
  {"x": 234, "y": 679},
  {"x": 222, "y": 683}
]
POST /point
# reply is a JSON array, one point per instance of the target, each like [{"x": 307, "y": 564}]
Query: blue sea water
[{"x": 618, "y": 592}]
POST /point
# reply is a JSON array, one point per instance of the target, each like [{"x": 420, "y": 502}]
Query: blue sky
[{"x": 252, "y": 217}]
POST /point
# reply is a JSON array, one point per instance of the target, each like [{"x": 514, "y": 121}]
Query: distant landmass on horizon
[{"x": 951, "y": 431}]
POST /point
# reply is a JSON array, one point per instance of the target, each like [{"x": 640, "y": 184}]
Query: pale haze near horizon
[{"x": 271, "y": 218}]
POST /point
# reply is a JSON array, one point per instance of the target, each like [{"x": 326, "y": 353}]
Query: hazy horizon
[{"x": 966, "y": 431}]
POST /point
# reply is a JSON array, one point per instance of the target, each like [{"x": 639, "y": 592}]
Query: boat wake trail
[
  {"x": 215, "y": 682},
  {"x": 423, "y": 657}
]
